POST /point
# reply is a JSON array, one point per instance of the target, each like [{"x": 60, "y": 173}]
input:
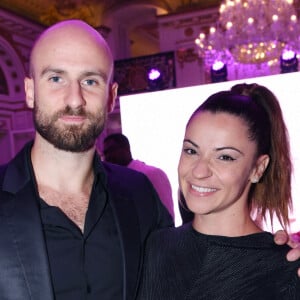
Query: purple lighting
[
  {"x": 153, "y": 74},
  {"x": 288, "y": 54},
  {"x": 218, "y": 71},
  {"x": 218, "y": 65},
  {"x": 288, "y": 61}
]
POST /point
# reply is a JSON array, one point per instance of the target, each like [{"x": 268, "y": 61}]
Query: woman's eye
[
  {"x": 189, "y": 151},
  {"x": 226, "y": 157}
]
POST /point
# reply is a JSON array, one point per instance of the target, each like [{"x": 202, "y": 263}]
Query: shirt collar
[{"x": 99, "y": 171}]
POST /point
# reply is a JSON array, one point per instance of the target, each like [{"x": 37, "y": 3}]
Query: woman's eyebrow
[
  {"x": 189, "y": 141},
  {"x": 229, "y": 148}
]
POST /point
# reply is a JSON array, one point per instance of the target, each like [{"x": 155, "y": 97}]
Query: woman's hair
[{"x": 260, "y": 110}]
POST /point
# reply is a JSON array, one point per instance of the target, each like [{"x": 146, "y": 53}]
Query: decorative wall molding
[{"x": 17, "y": 36}]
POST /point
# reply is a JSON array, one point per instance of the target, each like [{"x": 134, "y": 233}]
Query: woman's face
[{"x": 217, "y": 164}]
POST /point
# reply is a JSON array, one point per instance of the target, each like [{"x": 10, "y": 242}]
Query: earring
[{"x": 255, "y": 180}]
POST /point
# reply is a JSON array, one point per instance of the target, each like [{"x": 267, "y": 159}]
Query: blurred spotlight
[
  {"x": 155, "y": 79},
  {"x": 153, "y": 74},
  {"x": 218, "y": 72},
  {"x": 288, "y": 61}
]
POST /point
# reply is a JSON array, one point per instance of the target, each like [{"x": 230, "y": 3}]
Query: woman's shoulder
[
  {"x": 167, "y": 237},
  {"x": 173, "y": 231}
]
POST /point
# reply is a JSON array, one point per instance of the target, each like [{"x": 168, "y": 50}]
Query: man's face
[
  {"x": 70, "y": 91},
  {"x": 69, "y": 137}
]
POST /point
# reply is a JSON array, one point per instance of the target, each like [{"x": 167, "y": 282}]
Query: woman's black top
[{"x": 182, "y": 264}]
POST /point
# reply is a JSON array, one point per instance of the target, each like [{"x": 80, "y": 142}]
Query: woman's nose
[{"x": 202, "y": 168}]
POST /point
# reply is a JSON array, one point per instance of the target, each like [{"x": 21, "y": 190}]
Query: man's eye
[
  {"x": 89, "y": 82},
  {"x": 55, "y": 79}
]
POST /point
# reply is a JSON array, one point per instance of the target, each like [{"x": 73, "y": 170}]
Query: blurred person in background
[{"x": 116, "y": 150}]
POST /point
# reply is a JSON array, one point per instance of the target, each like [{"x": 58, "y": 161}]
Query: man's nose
[{"x": 74, "y": 96}]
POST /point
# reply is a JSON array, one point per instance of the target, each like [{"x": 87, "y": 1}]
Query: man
[
  {"x": 72, "y": 227},
  {"x": 116, "y": 150}
]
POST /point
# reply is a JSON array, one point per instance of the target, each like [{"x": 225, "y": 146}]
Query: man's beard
[{"x": 73, "y": 138}]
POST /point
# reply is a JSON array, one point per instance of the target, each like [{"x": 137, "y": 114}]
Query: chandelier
[{"x": 251, "y": 32}]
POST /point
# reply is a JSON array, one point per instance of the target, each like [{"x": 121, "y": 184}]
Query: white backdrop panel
[{"x": 155, "y": 122}]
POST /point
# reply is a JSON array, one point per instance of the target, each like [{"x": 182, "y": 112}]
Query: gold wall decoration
[{"x": 71, "y": 9}]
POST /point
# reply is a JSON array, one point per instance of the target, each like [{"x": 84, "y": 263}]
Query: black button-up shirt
[{"x": 85, "y": 265}]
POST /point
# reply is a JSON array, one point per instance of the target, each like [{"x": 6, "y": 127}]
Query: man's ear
[
  {"x": 29, "y": 91},
  {"x": 261, "y": 165},
  {"x": 113, "y": 92}
]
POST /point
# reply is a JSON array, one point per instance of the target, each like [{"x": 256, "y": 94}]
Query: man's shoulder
[
  {"x": 15, "y": 173},
  {"x": 124, "y": 183},
  {"x": 120, "y": 171},
  {"x": 2, "y": 172},
  {"x": 125, "y": 178}
]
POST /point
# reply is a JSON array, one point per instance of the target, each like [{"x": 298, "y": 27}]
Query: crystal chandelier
[{"x": 251, "y": 32}]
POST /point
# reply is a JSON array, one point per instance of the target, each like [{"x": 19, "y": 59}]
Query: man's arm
[{"x": 281, "y": 237}]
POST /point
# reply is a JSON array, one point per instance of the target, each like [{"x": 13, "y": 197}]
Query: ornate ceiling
[
  {"x": 47, "y": 12},
  {"x": 138, "y": 16}
]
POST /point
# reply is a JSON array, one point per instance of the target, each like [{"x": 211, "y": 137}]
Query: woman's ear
[
  {"x": 260, "y": 166},
  {"x": 29, "y": 91}
]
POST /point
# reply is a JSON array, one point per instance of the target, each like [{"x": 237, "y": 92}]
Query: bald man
[{"x": 72, "y": 227}]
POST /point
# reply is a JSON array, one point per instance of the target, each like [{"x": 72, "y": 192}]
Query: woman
[{"x": 235, "y": 156}]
